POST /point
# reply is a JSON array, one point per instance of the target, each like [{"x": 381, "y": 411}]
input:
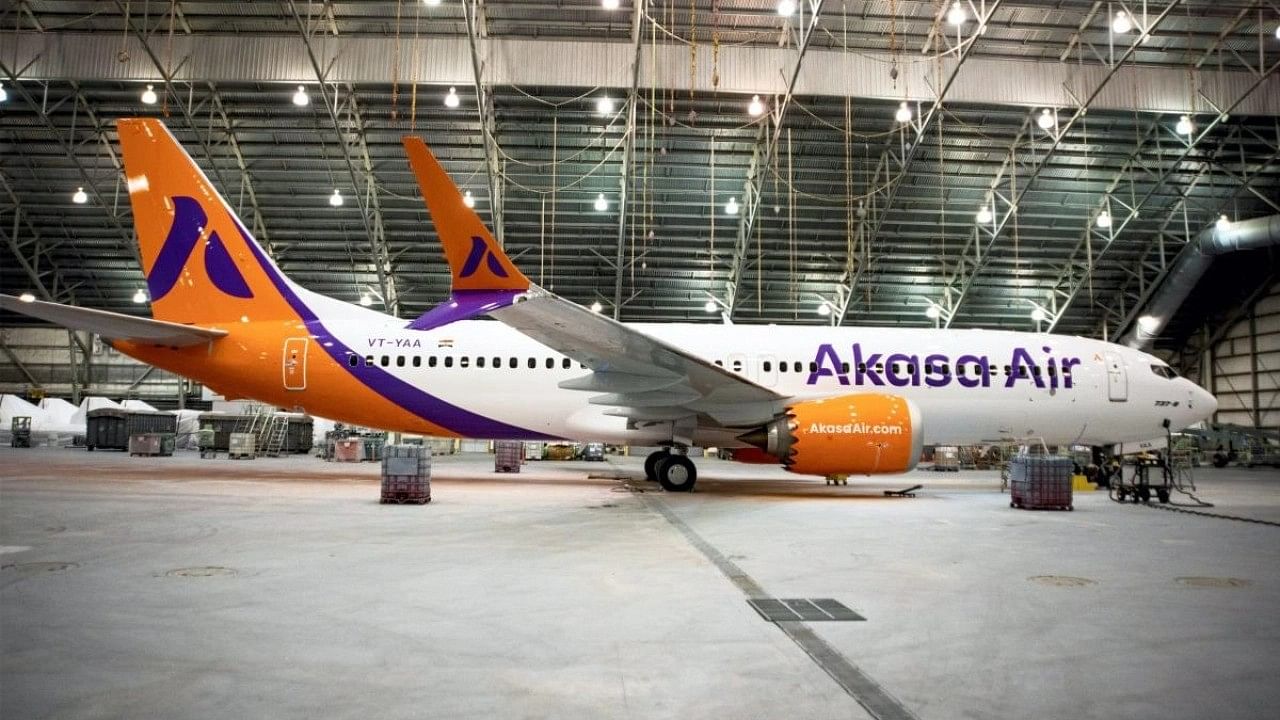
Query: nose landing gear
[{"x": 674, "y": 471}]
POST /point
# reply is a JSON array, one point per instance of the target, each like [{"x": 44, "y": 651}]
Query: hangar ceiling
[{"x": 842, "y": 206}]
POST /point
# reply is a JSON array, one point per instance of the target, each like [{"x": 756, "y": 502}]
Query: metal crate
[
  {"x": 406, "y": 474},
  {"x": 242, "y": 445},
  {"x": 507, "y": 456},
  {"x": 1040, "y": 482},
  {"x": 151, "y": 444}
]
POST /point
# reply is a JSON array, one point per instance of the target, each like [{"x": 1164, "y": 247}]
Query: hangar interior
[{"x": 1057, "y": 167}]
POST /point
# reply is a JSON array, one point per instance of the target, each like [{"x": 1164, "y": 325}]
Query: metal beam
[
  {"x": 473, "y": 11},
  {"x": 628, "y": 158},
  {"x": 765, "y": 149}
]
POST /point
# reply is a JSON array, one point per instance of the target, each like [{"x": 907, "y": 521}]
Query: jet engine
[{"x": 867, "y": 434}]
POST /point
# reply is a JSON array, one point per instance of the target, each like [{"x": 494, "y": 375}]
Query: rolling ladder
[{"x": 268, "y": 429}]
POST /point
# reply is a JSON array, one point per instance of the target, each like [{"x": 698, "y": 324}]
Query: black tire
[
  {"x": 676, "y": 473},
  {"x": 651, "y": 465},
  {"x": 1163, "y": 496}
]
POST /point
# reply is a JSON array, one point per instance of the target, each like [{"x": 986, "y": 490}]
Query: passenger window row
[
  {"x": 495, "y": 362},
  {"x": 895, "y": 368}
]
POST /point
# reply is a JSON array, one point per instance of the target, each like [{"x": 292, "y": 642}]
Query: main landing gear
[{"x": 675, "y": 472}]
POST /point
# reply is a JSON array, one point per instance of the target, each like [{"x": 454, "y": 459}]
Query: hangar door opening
[
  {"x": 295, "y": 363},
  {"x": 1117, "y": 379}
]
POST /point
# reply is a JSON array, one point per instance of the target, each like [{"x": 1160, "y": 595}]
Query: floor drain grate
[
  {"x": 201, "y": 572},
  {"x": 807, "y": 609},
  {"x": 1218, "y": 582}
]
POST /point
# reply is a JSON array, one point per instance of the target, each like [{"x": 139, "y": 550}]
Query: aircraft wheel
[
  {"x": 651, "y": 465},
  {"x": 676, "y": 473}
]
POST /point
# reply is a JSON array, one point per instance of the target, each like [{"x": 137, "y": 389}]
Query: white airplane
[{"x": 819, "y": 400}]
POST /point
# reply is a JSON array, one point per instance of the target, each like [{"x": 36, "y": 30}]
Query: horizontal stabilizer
[{"x": 115, "y": 326}]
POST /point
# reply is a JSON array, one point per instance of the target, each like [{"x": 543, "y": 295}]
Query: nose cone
[{"x": 1202, "y": 403}]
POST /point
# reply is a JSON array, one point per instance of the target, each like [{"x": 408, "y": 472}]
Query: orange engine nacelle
[{"x": 850, "y": 434}]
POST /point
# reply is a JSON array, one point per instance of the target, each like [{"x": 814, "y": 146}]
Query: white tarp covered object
[
  {"x": 45, "y": 429},
  {"x": 58, "y": 410},
  {"x": 137, "y": 406},
  {"x": 91, "y": 403}
]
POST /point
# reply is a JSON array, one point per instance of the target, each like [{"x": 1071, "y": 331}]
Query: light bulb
[
  {"x": 710, "y": 306},
  {"x": 1046, "y": 121},
  {"x": 756, "y": 108},
  {"x": 604, "y": 105},
  {"x": 933, "y": 312},
  {"x": 468, "y": 200},
  {"x": 984, "y": 215},
  {"x": 4, "y": 94},
  {"x": 1038, "y": 315},
  {"x": 609, "y": 4},
  {"x": 1223, "y": 223},
  {"x": 596, "y": 306},
  {"x": 1184, "y": 126},
  {"x": 1121, "y": 24},
  {"x": 365, "y": 299},
  {"x": 824, "y": 308},
  {"x": 786, "y": 8},
  {"x": 27, "y": 297},
  {"x": 1148, "y": 323},
  {"x": 956, "y": 15},
  {"x": 336, "y": 198},
  {"x": 1277, "y": 37},
  {"x": 904, "y": 113},
  {"x": 431, "y": 3},
  {"x": 79, "y": 197},
  {"x": 601, "y": 203},
  {"x": 300, "y": 98},
  {"x": 1104, "y": 219},
  {"x": 149, "y": 95},
  {"x": 139, "y": 296},
  {"x": 731, "y": 207},
  {"x": 451, "y": 100}
]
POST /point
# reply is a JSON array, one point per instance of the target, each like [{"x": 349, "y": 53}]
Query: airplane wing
[
  {"x": 115, "y": 326},
  {"x": 633, "y": 374}
]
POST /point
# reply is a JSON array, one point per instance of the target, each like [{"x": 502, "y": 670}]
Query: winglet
[{"x": 476, "y": 261}]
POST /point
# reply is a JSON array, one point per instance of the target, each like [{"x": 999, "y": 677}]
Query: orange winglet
[{"x": 476, "y": 261}]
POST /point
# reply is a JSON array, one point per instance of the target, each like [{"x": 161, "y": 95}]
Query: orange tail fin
[
  {"x": 201, "y": 265},
  {"x": 476, "y": 261}
]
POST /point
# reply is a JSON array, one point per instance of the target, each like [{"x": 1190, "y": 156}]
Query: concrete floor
[{"x": 180, "y": 588}]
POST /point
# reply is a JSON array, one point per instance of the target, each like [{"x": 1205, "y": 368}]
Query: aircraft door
[
  {"x": 295, "y": 363},
  {"x": 1117, "y": 378},
  {"x": 768, "y": 370}
]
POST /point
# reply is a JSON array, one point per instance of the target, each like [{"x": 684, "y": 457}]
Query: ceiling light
[
  {"x": 79, "y": 196},
  {"x": 933, "y": 312},
  {"x": 609, "y": 4},
  {"x": 468, "y": 200},
  {"x": 300, "y": 98},
  {"x": 431, "y": 3},
  {"x": 710, "y": 306},
  {"x": 1046, "y": 121},
  {"x": 451, "y": 100},
  {"x": 596, "y": 306},
  {"x": 336, "y": 198},
  {"x": 601, "y": 203},
  {"x": 984, "y": 215},
  {"x": 604, "y": 105},
  {"x": 149, "y": 95},
  {"x": 4, "y": 94},
  {"x": 1223, "y": 223},
  {"x": 27, "y": 297},
  {"x": 731, "y": 207},
  {"x": 139, "y": 296},
  {"x": 786, "y": 8},
  {"x": 756, "y": 108},
  {"x": 904, "y": 113},
  {"x": 366, "y": 299},
  {"x": 824, "y": 308},
  {"x": 1121, "y": 24},
  {"x": 1277, "y": 37},
  {"x": 1184, "y": 126},
  {"x": 956, "y": 15},
  {"x": 1148, "y": 323},
  {"x": 1038, "y": 315},
  {"x": 1104, "y": 219}
]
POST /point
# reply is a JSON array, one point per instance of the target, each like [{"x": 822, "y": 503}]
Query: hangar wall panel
[
  {"x": 1245, "y": 367},
  {"x": 44, "y": 353}
]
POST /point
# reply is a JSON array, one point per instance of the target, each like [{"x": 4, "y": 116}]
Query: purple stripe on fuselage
[
  {"x": 463, "y": 305},
  {"x": 426, "y": 406}
]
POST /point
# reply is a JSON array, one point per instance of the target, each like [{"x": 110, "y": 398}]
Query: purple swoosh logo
[
  {"x": 189, "y": 220},
  {"x": 480, "y": 251}
]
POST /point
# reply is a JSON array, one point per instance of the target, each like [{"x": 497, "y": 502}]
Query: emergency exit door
[
  {"x": 1117, "y": 378},
  {"x": 295, "y": 363}
]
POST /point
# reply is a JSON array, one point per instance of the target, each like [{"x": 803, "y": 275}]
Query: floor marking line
[{"x": 861, "y": 687}]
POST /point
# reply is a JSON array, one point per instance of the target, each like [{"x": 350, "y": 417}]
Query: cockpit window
[{"x": 1164, "y": 371}]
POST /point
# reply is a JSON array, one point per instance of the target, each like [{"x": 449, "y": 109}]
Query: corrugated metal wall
[
  {"x": 46, "y": 355},
  {"x": 1244, "y": 367}
]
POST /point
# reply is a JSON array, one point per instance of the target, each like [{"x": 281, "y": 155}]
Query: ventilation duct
[{"x": 1189, "y": 266}]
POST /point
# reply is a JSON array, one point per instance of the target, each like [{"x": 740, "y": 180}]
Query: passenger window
[
  {"x": 960, "y": 370},
  {"x": 368, "y": 360},
  {"x": 464, "y": 361},
  {"x": 768, "y": 366},
  {"x": 431, "y": 361},
  {"x": 1008, "y": 370},
  {"x": 719, "y": 363},
  {"x": 893, "y": 368},
  {"x": 448, "y": 361},
  {"x": 417, "y": 361},
  {"x": 813, "y": 367},
  {"x": 862, "y": 367},
  {"x": 353, "y": 361},
  {"x": 533, "y": 363},
  {"x": 399, "y": 361},
  {"x": 844, "y": 368},
  {"x": 386, "y": 360},
  {"x": 497, "y": 362},
  {"x": 480, "y": 361},
  {"x": 566, "y": 363},
  {"x": 799, "y": 367},
  {"x": 782, "y": 366},
  {"x": 551, "y": 363},
  {"x": 582, "y": 365},
  {"x": 879, "y": 367},
  {"x": 928, "y": 369},
  {"x": 737, "y": 366},
  {"x": 513, "y": 363},
  {"x": 1022, "y": 371},
  {"x": 1035, "y": 370}
]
